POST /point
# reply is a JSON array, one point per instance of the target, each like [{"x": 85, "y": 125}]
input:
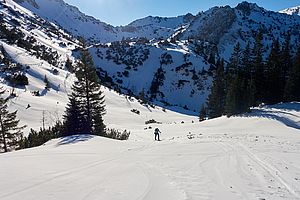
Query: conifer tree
[
  {"x": 47, "y": 84},
  {"x": 248, "y": 76},
  {"x": 246, "y": 68},
  {"x": 235, "y": 61},
  {"x": 292, "y": 88},
  {"x": 202, "y": 115},
  {"x": 69, "y": 65},
  {"x": 231, "y": 101},
  {"x": 239, "y": 89},
  {"x": 10, "y": 133},
  {"x": 158, "y": 80},
  {"x": 286, "y": 58},
  {"x": 216, "y": 99},
  {"x": 74, "y": 117},
  {"x": 274, "y": 82},
  {"x": 258, "y": 67},
  {"x": 88, "y": 98}
]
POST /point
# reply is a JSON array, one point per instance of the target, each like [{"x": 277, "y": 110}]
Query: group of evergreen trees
[
  {"x": 83, "y": 113},
  {"x": 38, "y": 138},
  {"x": 249, "y": 80}
]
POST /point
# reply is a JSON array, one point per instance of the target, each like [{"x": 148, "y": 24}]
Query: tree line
[{"x": 249, "y": 80}]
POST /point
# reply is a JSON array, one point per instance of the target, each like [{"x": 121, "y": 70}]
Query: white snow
[
  {"x": 291, "y": 11},
  {"x": 247, "y": 157}
]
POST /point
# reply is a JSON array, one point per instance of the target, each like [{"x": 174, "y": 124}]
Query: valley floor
[{"x": 249, "y": 157}]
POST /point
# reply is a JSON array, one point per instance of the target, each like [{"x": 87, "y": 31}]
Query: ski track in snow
[
  {"x": 210, "y": 167},
  {"x": 236, "y": 158}
]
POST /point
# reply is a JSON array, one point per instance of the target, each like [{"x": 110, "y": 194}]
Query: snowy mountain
[
  {"x": 225, "y": 26},
  {"x": 291, "y": 11},
  {"x": 79, "y": 24},
  {"x": 221, "y": 26},
  {"x": 175, "y": 56},
  {"x": 192, "y": 51}
]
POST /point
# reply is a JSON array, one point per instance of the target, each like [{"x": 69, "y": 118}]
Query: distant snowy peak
[
  {"x": 70, "y": 18},
  {"x": 171, "y": 22},
  {"x": 79, "y": 24},
  {"x": 291, "y": 11}
]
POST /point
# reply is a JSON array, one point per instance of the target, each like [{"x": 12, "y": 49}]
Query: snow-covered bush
[{"x": 117, "y": 135}]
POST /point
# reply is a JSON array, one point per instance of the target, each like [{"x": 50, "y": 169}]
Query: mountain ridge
[
  {"x": 175, "y": 56},
  {"x": 108, "y": 33}
]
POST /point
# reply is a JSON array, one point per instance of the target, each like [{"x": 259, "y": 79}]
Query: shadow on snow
[
  {"x": 75, "y": 139},
  {"x": 279, "y": 115}
]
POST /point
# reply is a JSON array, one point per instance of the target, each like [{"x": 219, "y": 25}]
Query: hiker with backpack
[{"x": 156, "y": 133}]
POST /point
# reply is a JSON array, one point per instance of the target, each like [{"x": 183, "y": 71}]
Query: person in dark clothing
[{"x": 156, "y": 133}]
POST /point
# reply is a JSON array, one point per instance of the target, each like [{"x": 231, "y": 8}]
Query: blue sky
[{"x": 122, "y": 12}]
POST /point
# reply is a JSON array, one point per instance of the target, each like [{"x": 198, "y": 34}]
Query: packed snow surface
[{"x": 255, "y": 156}]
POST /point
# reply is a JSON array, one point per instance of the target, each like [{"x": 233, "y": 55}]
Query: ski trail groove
[
  {"x": 270, "y": 169},
  {"x": 61, "y": 175}
]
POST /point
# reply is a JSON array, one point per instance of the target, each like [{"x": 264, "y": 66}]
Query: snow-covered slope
[
  {"x": 171, "y": 73},
  {"x": 291, "y": 11},
  {"x": 250, "y": 157},
  {"x": 69, "y": 17},
  {"x": 39, "y": 50},
  {"x": 79, "y": 24}
]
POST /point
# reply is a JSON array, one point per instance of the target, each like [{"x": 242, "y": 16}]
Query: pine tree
[
  {"x": 286, "y": 58},
  {"x": 231, "y": 101},
  {"x": 158, "y": 80},
  {"x": 88, "y": 98},
  {"x": 274, "y": 82},
  {"x": 235, "y": 61},
  {"x": 212, "y": 58},
  {"x": 203, "y": 113},
  {"x": 239, "y": 91},
  {"x": 246, "y": 68},
  {"x": 69, "y": 65},
  {"x": 248, "y": 76},
  {"x": 216, "y": 99},
  {"x": 258, "y": 67},
  {"x": 142, "y": 96},
  {"x": 292, "y": 88},
  {"x": 47, "y": 84},
  {"x": 74, "y": 117},
  {"x": 10, "y": 133}
]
